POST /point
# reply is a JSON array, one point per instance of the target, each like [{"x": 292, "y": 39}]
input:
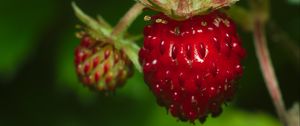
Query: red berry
[
  {"x": 97, "y": 66},
  {"x": 192, "y": 66}
]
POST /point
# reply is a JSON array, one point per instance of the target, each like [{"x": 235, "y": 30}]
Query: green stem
[
  {"x": 127, "y": 19},
  {"x": 267, "y": 69},
  {"x": 261, "y": 11},
  {"x": 130, "y": 48}
]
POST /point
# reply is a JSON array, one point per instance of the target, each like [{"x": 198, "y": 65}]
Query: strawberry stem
[
  {"x": 260, "y": 11},
  {"x": 131, "y": 49},
  {"x": 267, "y": 69},
  {"x": 127, "y": 19}
]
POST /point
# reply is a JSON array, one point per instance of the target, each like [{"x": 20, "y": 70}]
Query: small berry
[
  {"x": 98, "y": 67},
  {"x": 192, "y": 66}
]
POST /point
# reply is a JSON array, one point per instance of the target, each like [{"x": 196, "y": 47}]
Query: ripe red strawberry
[
  {"x": 100, "y": 65},
  {"x": 192, "y": 65}
]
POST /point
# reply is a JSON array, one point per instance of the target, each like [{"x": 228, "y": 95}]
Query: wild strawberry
[
  {"x": 100, "y": 66},
  {"x": 192, "y": 65}
]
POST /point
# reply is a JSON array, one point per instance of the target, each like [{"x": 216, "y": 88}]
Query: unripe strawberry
[
  {"x": 192, "y": 65},
  {"x": 100, "y": 66}
]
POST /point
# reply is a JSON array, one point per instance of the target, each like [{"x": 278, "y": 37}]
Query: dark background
[{"x": 38, "y": 85}]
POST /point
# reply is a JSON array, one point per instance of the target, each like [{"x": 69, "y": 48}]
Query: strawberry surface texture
[{"x": 192, "y": 66}]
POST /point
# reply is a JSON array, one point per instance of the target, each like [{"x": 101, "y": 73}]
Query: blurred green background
[{"x": 38, "y": 85}]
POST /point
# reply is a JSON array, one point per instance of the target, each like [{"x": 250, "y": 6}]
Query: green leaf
[
  {"x": 99, "y": 29},
  {"x": 102, "y": 22},
  {"x": 131, "y": 50}
]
